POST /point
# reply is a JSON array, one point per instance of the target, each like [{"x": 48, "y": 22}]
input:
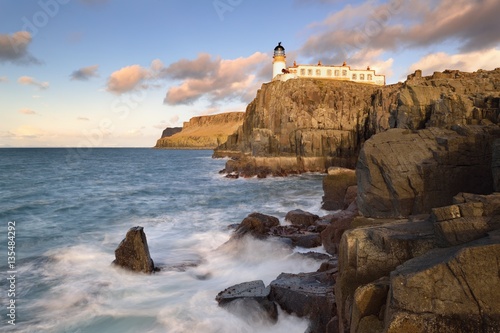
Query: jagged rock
[
  {"x": 297, "y": 235},
  {"x": 464, "y": 229},
  {"x": 302, "y": 218},
  {"x": 335, "y": 186},
  {"x": 314, "y": 124},
  {"x": 169, "y": 131},
  {"x": 350, "y": 195},
  {"x": 367, "y": 254},
  {"x": 490, "y": 204},
  {"x": 307, "y": 295},
  {"x": 256, "y": 224},
  {"x": 450, "y": 290},
  {"x": 249, "y": 300},
  {"x": 133, "y": 252},
  {"x": 402, "y": 173},
  {"x": 202, "y": 132}
]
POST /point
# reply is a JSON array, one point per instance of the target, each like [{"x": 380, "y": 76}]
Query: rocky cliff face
[
  {"x": 169, "y": 131},
  {"x": 322, "y": 123},
  {"x": 203, "y": 132}
]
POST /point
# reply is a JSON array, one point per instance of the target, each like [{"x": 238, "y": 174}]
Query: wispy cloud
[
  {"x": 28, "y": 80},
  {"x": 14, "y": 48},
  {"x": 27, "y": 112},
  {"x": 83, "y": 119},
  {"x": 4, "y": 79},
  {"x": 85, "y": 73}
]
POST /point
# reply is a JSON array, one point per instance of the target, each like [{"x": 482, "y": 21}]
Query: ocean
[{"x": 70, "y": 208}]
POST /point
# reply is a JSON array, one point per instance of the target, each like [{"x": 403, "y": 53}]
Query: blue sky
[{"x": 104, "y": 73}]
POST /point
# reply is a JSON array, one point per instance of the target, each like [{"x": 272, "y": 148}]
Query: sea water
[{"x": 72, "y": 207}]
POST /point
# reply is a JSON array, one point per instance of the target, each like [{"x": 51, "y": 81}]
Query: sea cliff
[
  {"x": 203, "y": 132},
  {"x": 309, "y": 125}
]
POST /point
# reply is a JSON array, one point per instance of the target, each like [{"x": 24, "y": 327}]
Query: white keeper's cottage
[{"x": 320, "y": 71}]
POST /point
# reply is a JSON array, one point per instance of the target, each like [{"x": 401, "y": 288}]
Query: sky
[{"x": 115, "y": 73}]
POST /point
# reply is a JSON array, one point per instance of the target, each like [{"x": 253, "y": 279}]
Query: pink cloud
[{"x": 126, "y": 79}]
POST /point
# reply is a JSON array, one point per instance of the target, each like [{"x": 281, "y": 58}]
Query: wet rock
[
  {"x": 249, "y": 300},
  {"x": 339, "y": 223},
  {"x": 133, "y": 252},
  {"x": 308, "y": 295},
  {"x": 257, "y": 225},
  {"x": 302, "y": 218}
]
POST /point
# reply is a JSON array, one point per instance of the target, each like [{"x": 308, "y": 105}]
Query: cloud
[
  {"x": 27, "y": 80},
  {"x": 85, "y": 73},
  {"x": 215, "y": 79},
  {"x": 14, "y": 48},
  {"x": 127, "y": 79},
  {"x": 27, "y": 112},
  {"x": 467, "y": 62},
  {"x": 373, "y": 27},
  {"x": 83, "y": 119},
  {"x": 4, "y": 79}
]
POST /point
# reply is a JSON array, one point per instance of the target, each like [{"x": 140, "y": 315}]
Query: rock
[
  {"x": 133, "y": 252},
  {"x": 256, "y": 224},
  {"x": 447, "y": 290},
  {"x": 402, "y": 173},
  {"x": 446, "y": 213},
  {"x": 339, "y": 223},
  {"x": 309, "y": 125},
  {"x": 464, "y": 229},
  {"x": 495, "y": 165},
  {"x": 368, "y": 300},
  {"x": 297, "y": 235},
  {"x": 350, "y": 195},
  {"x": 335, "y": 186},
  {"x": 302, "y": 218},
  {"x": 249, "y": 300},
  {"x": 169, "y": 131},
  {"x": 202, "y": 132},
  {"x": 307, "y": 295},
  {"x": 490, "y": 204},
  {"x": 370, "y": 253}
]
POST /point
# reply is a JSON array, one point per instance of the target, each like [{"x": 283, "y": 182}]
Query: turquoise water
[{"x": 72, "y": 207}]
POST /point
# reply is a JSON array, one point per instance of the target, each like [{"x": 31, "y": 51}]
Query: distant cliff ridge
[
  {"x": 204, "y": 132},
  {"x": 169, "y": 131},
  {"x": 308, "y": 125}
]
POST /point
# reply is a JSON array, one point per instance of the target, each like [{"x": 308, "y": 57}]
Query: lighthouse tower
[{"x": 279, "y": 60}]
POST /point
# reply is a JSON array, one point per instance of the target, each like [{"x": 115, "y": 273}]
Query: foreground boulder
[
  {"x": 453, "y": 290},
  {"x": 133, "y": 252},
  {"x": 402, "y": 172},
  {"x": 249, "y": 300},
  {"x": 257, "y": 225},
  {"x": 308, "y": 295}
]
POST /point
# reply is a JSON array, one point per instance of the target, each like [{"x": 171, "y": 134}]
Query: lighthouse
[{"x": 279, "y": 60}]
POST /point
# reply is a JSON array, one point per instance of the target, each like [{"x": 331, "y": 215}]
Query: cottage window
[
  {"x": 361, "y": 76},
  {"x": 303, "y": 71},
  {"x": 310, "y": 72},
  {"x": 370, "y": 77},
  {"x": 318, "y": 72},
  {"x": 329, "y": 72},
  {"x": 337, "y": 72},
  {"x": 344, "y": 72},
  {"x": 354, "y": 77}
]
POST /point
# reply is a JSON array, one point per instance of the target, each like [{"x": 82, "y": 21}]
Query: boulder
[
  {"x": 339, "y": 223},
  {"x": 257, "y": 225},
  {"x": 368, "y": 300},
  {"x": 370, "y": 253},
  {"x": 133, "y": 252},
  {"x": 302, "y": 218},
  {"x": 450, "y": 290},
  {"x": 335, "y": 186},
  {"x": 249, "y": 300},
  {"x": 402, "y": 172},
  {"x": 350, "y": 195},
  {"x": 308, "y": 295}
]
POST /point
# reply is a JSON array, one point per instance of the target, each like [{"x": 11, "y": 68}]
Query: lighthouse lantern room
[{"x": 279, "y": 60}]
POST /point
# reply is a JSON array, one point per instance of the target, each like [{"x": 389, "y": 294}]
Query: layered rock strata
[
  {"x": 308, "y": 125},
  {"x": 204, "y": 132}
]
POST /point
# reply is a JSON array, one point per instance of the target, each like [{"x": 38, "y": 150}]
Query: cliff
[
  {"x": 169, "y": 131},
  {"x": 204, "y": 132},
  {"x": 308, "y": 125}
]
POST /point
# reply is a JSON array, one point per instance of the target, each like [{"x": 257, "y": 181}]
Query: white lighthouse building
[{"x": 332, "y": 72}]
